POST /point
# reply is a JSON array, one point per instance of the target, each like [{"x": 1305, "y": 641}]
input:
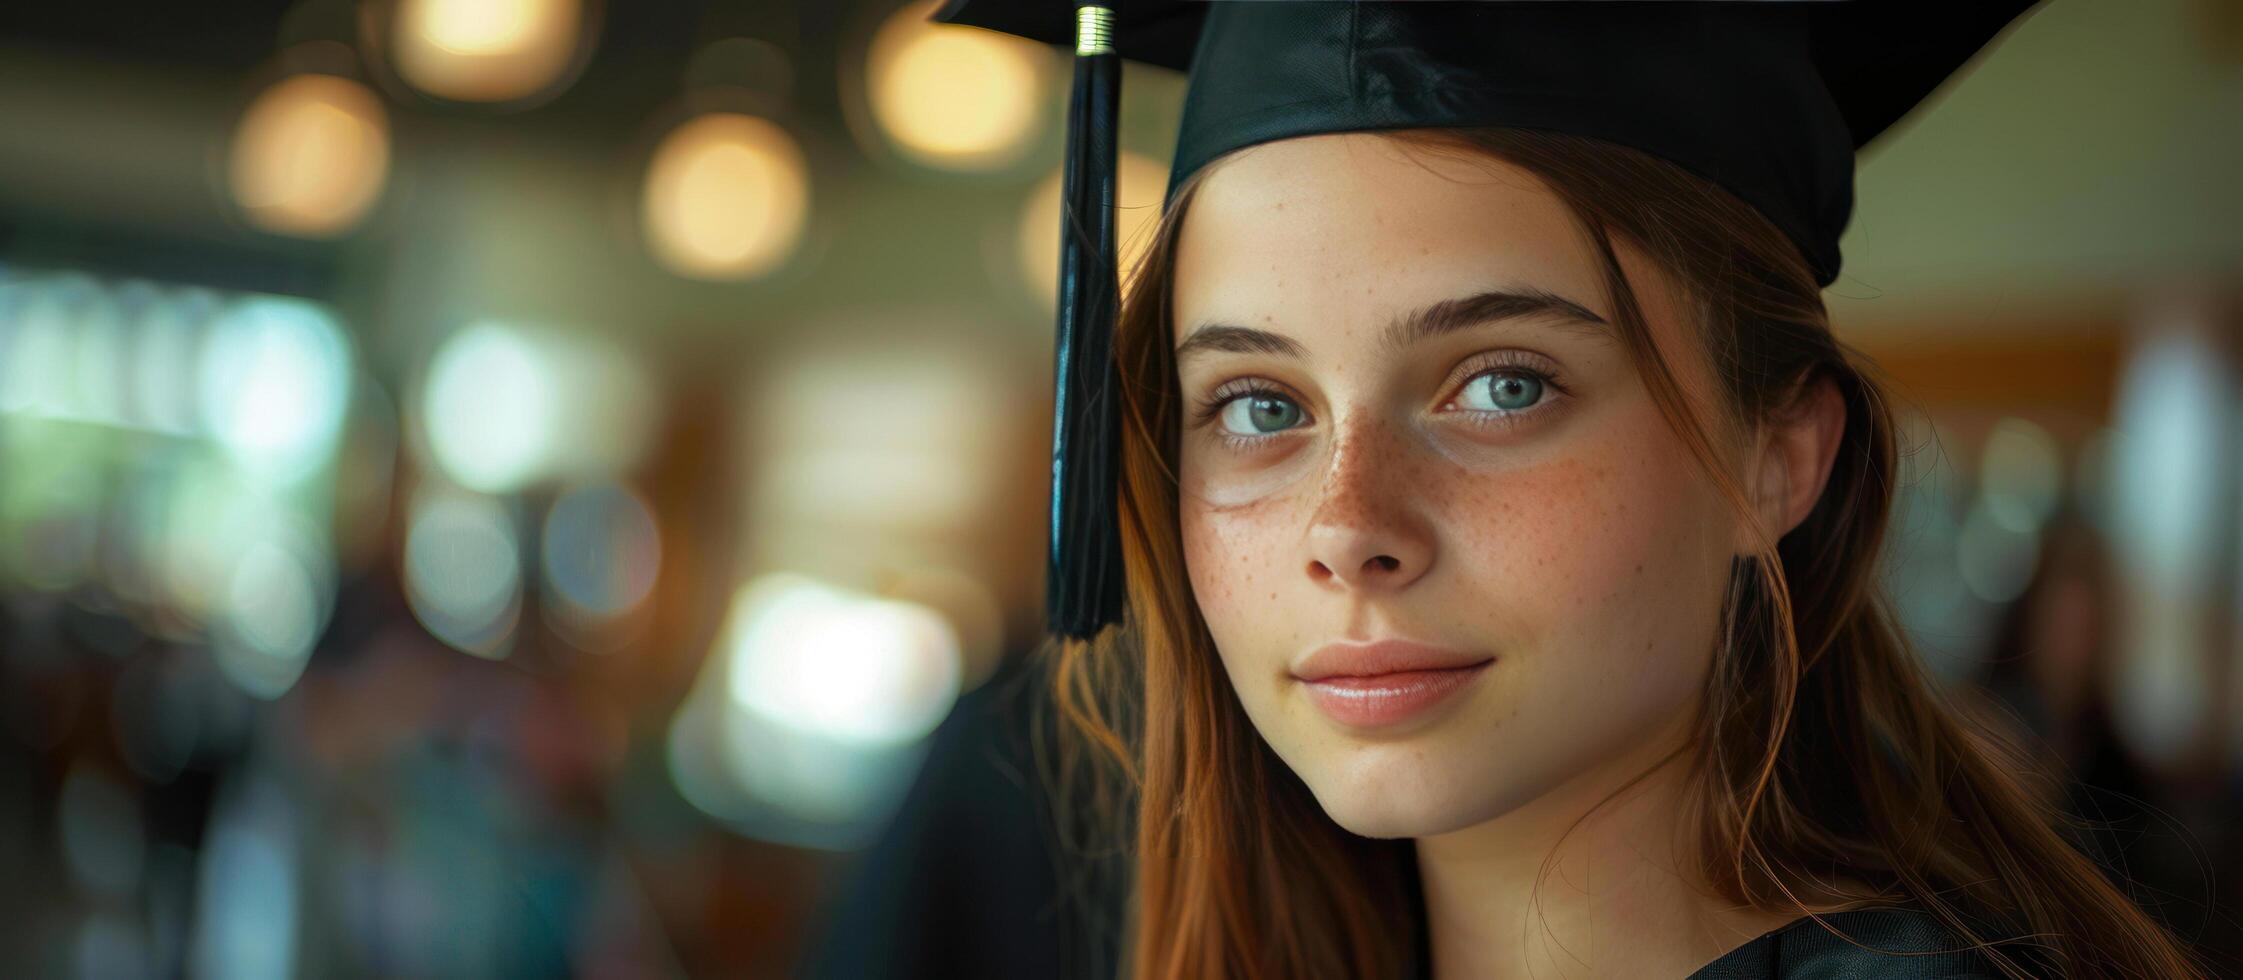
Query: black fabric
[
  {"x": 1902, "y": 944},
  {"x": 1083, "y": 580},
  {"x": 969, "y": 879},
  {"x": 962, "y": 882},
  {"x": 1753, "y": 120},
  {"x": 1769, "y": 100}
]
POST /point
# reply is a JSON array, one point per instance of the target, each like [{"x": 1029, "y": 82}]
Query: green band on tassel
[{"x": 1094, "y": 30}]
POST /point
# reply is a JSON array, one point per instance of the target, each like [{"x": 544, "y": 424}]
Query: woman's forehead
[{"x": 1330, "y": 231}]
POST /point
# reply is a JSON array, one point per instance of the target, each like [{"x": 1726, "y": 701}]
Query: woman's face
[{"x": 1418, "y": 426}]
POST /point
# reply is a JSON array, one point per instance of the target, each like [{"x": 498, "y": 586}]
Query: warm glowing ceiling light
[
  {"x": 485, "y": 50},
  {"x": 1138, "y": 188},
  {"x": 310, "y": 156},
  {"x": 726, "y": 197},
  {"x": 952, "y": 96}
]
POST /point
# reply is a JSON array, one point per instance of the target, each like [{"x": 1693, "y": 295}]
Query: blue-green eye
[
  {"x": 1255, "y": 414},
  {"x": 1508, "y": 390}
]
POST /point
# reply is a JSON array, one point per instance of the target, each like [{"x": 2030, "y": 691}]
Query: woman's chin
[
  {"x": 1391, "y": 797},
  {"x": 1391, "y": 819}
]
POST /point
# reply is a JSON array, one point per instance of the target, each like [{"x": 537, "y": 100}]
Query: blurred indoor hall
[{"x": 524, "y": 488}]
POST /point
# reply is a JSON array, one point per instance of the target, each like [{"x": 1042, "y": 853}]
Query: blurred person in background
[{"x": 2047, "y": 687}]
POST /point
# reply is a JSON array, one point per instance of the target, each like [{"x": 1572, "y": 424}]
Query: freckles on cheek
[
  {"x": 1567, "y": 536},
  {"x": 1232, "y": 554}
]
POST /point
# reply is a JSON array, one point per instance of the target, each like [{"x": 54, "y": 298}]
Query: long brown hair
[{"x": 1822, "y": 742}]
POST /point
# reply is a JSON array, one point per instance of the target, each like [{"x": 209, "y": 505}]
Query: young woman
[
  {"x": 1500, "y": 516},
  {"x": 1497, "y": 515}
]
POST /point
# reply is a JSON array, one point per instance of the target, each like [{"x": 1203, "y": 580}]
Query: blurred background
[{"x": 554, "y": 487}]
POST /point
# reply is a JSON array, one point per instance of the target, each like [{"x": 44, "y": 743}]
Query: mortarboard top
[{"x": 1768, "y": 100}]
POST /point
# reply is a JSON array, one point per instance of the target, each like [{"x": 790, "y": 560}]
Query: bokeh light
[
  {"x": 827, "y": 461},
  {"x": 47, "y": 355},
  {"x": 2172, "y": 400},
  {"x": 247, "y": 900},
  {"x": 53, "y": 489},
  {"x": 1994, "y": 555},
  {"x": 1922, "y": 567},
  {"x": 239, "y": 558},
  {"x": 884, "y": 499},
  {"x": 210, "y": 510},
  {"x": 485, "y": 50},
  {"x": 826, "y": 661},
  {"x": 1139, "y": 184},
  {"x": 726, "y": 197},
  {"x": 463, "y": 569},
  {"x": 2021, "y": 474},
  {"x": 601, "y": 551},
  {"x": 310, "y": 156},
  {"x": 967, "y": 603},
  {"x": 806, "y": 721},
  {"x": 955, "y": 97},
  {"x": 275, "y": 606},
  {"x": 169, "y": 324},
  {"x": 491, "y": 408},
  {"x": 505, "y": 406},
  {"x": 21, "y": 340},
  {"x": 275, "y": 382},
  {"x": 97, "y": 380},
  {"x": 2166, "y": 474}
]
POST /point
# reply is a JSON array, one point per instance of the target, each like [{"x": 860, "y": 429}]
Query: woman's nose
[{"x": 1368, "y": 532}]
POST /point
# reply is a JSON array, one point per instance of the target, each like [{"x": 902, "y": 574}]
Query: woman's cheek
[
  {"x": 1224, "y": 553},
  {"x": 1580, "y": 545},
  {"x": 1534, "y": 528}
]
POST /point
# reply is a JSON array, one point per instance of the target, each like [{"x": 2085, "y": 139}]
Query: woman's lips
[{"x": 1376, "y": 700}]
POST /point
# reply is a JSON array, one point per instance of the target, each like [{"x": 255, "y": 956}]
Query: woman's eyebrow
[
  {"x": 1437, "y": 319},
  {"x": 1451, "y": 315}
]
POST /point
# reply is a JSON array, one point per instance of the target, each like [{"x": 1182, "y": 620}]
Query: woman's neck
[{"x": 1615, "y": 900}]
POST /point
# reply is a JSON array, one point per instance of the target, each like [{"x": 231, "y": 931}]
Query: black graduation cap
[{"x": 1769, "y": 100}]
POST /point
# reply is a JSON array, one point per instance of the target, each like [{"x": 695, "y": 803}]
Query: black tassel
[{"x": 1083, "y": 588}]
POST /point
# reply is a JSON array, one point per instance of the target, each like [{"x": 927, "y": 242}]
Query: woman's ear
[{"x": 1792, "y": 459}]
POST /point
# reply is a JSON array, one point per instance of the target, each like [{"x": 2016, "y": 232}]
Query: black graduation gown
[{"x": 1803, "y": 950}]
